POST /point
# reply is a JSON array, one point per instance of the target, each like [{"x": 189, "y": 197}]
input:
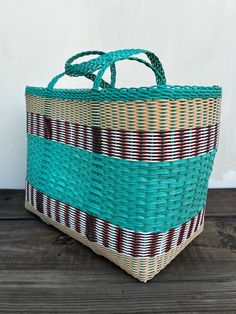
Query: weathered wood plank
[
  {"x": 12, "y": 205},
  {"x": 220, "y": 202},
  {"x": 43, "y": 271}
]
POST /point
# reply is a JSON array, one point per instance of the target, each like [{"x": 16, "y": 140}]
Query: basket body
[{"x": 124, "y": 171}]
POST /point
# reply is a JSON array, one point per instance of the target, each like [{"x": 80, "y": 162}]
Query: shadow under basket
[{"x": 123, "y": 171}]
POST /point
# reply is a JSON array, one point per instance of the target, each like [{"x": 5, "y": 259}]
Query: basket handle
[
  {"x": 104, "y": 61},
  {"x": 90, "y": 76}
]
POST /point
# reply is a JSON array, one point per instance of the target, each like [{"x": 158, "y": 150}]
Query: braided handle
[
  {"x": 90, "y": 76},
  {"x": 105, "y": 60}
]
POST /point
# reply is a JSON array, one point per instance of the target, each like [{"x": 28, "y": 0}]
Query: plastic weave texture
[{"x": 122, "y": 170}]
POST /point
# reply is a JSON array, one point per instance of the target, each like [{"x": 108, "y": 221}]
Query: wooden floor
[{"x": 43, "y": 271}]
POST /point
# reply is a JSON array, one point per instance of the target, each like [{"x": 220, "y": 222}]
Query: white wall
[{"x": 195, "y": 40}]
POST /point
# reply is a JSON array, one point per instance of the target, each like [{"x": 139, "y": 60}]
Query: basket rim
[{"x": 156, "y": 92}]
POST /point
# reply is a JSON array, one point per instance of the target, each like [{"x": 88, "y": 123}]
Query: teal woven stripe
[
  {"x": 129, "y": 94},
  {"x": 141, "y": 196}
]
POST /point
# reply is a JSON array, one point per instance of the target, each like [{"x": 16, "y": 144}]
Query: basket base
[{"x": 142, "y": 269}]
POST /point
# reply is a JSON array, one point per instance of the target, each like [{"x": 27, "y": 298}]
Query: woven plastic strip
[
  {"x": 141, "y": 196},
  {"x": 90, "y": 76},
  {"x": 122, "y": 170},
  {"x": 153, "y": 115},
  {"x": 159, "y": 92},
  {"x": 143, "y": 269},
  {"x": 130, "y": 145},
  {"x": 108, "y": 59},
  {"x": 136, "y": 244}
]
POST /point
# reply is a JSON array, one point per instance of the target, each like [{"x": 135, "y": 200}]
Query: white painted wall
[{"x": 195, "y": 40}]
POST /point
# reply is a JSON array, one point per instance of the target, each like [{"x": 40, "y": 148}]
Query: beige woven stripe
[
  {"x": 136, "y": 115},
  {"x": 142, "y": 269}
]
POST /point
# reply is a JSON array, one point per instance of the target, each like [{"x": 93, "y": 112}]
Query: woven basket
[{"x": 124, "y": 171}]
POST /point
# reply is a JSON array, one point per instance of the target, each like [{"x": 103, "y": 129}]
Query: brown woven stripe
[
  {"x": 136, "y": 145},
  {"x": 142, "y": 268},
  {"x": 139, "y": 244}
]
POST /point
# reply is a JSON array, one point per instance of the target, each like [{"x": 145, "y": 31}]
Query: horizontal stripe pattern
[
  {"x": 152, "y": 115},
  {"x": 136, "y": 145},
  {"x": 130, "y": 243},
  {"x": 141, "y": 268},
  {"x": 142, "y": 196}
]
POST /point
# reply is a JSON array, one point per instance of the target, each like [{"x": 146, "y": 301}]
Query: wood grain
[
  {"x": 43, "y": 271},
  {"x": 221, "y": 202},
  {"x": 12, "y": 205}
]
